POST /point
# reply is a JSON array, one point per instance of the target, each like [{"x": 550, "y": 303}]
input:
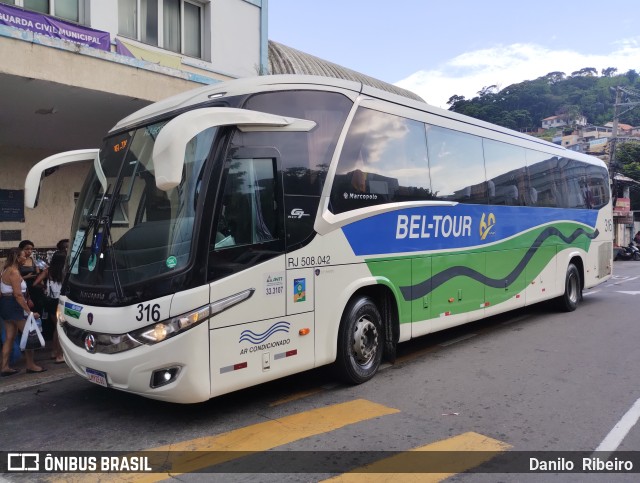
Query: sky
[{"x": 441, "y": 48}]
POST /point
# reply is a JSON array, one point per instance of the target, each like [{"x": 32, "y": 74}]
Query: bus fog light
[{"x": 162, "y": 377}]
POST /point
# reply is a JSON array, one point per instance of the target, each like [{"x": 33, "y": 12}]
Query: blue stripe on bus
[{"x": 452, "y": 227}]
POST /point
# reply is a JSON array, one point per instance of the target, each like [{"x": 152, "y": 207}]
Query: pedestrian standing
[
  {"x": 63, "y": 245},
  {"x": 14, "y": 310},
  {"x": 51, "y": 279},
  {"x": 29, "y": 271}
]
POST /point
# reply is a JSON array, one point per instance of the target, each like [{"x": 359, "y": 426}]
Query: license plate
[{"x": 97, "y": 377}]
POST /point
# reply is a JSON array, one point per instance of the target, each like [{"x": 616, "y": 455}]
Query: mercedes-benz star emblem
[{"x": 90, "y": 343}]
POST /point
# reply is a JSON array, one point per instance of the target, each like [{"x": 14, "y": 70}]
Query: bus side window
[
  {"x": 573, "y": 174},
  {"x": 250, "y": 226},
  {"x": 383, "y": 160},
  {"x": 544, "y": 176},
  {"x": 598, "y": 180},
  {"x": 456, "y": 165},
  {"x": 247, "y": 214},
  {"x": 506, "y": 170}
]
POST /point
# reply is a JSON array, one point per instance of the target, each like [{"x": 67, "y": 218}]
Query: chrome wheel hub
[
  {"x": 365, "y": 341},
  {"x": 573, "y": 289}
]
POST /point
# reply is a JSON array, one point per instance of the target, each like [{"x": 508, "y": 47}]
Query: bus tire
[
  {"x": 360, "y": 341},
  {"x": 568, "y": 301}
]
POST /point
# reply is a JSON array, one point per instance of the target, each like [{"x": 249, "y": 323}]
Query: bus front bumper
[{"x": 183, "y": 360}]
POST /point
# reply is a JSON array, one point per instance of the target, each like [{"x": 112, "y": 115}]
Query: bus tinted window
[
  {"x": 507, "y": 175},
  {"x": 545, "y": 178},
  {"x": 598, "y": 186},
  {"x": 457, "y": 167},
  {"x": 248, "y": 216},
  {"x": 384, "y": 159},
  {"x": 305, "y": 156},
  {"x": 574, "y": 181}
]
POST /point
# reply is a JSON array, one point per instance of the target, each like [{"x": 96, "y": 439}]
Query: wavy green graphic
[{"x": 461, "y": 281}]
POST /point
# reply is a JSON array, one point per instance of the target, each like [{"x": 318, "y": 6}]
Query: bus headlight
[{"x": 160, "y": 331}]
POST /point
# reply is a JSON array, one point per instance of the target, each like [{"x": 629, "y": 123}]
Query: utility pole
[
  {"x": 614, "y": 131},
  {"x": 613, "y": 164}
]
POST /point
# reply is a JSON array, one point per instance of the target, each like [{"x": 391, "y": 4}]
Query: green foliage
[
  {"x": 523, "y": 106},
  {"x": 628, "y": 158},
  {"x": 627, "y": 161}
]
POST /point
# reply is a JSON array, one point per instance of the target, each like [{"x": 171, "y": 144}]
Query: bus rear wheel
[
  {"x": 572, "y": 290},
  {"x": 360, "y": 341}
]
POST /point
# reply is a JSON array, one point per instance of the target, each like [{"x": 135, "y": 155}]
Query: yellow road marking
[
  {"x": 257, "y": 437},
  {"x": 471, "y": 443}
]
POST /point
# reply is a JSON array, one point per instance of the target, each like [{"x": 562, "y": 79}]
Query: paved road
[{"x": 529, "y": 381}]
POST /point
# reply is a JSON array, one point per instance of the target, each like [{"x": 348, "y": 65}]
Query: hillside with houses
[
  {"x": 576, "y": 111},
  {"x": 583, "y": 112}
]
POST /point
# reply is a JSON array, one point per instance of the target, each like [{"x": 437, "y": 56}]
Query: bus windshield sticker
[
  {"x": 171, "y": 262},
  {"x": 299, "y": 290},
  {"x": 72, "y": 310},
  {"x": 274, "y": 283},
  {"x": 91, "y": 263},
  {"x": 74, "y": 249}
]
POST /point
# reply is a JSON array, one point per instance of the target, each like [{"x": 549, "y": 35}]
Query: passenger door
[
  {"x": 252, "y": 338},
  {"x": 247, "y": 244}
]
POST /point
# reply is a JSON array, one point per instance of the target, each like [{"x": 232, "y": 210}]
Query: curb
[
  {"x": 23, "y": 380},
  {"x": 33, "y": 381}
]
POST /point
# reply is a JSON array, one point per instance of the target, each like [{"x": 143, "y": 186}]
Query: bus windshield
[{"x": 126, "y": 231}]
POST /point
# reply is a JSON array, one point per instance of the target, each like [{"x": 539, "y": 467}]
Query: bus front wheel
[
  {"x": 360, "y": 341},
  {"x": 572, "y": 290}
]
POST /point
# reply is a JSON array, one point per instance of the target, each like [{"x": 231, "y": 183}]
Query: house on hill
[
  {"x": 622, "y": 128},
  {"x": 563, "y": 120}
]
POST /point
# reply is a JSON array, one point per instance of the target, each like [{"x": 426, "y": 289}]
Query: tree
[
  {"x": 485, "y": 91},
  {"x": 632, "y": 75},
  {"x": 554, "y": 77},
  {"x": 585, "y": 72},
  {"x": 521, "y": 119},
  {"x": 627, "y": 159},
  {"x": 609, "y": 71},
  {"x": 454, "y": 101},
  {"x": 523, "y": 105},
  {"x": 572, "y": 112}
]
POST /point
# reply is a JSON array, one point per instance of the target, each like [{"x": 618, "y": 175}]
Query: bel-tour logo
[
  {"x": 486, "y": 225},
  {"x": 436, "y": 226},
  {"x": 442, "y": 226}
]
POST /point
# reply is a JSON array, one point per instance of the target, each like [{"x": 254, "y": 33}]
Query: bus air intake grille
[{"x": 101, "y": 343}]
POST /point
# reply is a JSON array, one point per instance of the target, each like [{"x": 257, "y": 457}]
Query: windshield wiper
[
  {"x": 106, "y": 222},
  {"x": 94, "y": 223}
]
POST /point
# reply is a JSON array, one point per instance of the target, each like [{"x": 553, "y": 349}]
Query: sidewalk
[{"x": 23, "y": 380}]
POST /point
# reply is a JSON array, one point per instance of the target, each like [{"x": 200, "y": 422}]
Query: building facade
[{"x": 72, "y": 68}]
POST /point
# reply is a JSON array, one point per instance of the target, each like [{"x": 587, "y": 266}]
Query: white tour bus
[{"x": 256, "y": 228}]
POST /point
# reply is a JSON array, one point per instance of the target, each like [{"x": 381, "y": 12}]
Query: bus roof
[{"x": 248, "y": 85}]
